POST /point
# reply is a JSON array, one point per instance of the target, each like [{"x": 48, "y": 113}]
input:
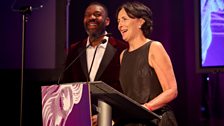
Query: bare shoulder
[
  {"x": 157, "y": 53},
  {"x": 156, "y": 48},
  {"x": 156, "y": 45}
]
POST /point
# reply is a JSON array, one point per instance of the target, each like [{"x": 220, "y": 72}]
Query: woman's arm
[{"x": 160, "y": 61}]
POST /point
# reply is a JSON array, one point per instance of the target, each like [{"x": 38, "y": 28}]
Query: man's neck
[{"x": 96, "y": 39}]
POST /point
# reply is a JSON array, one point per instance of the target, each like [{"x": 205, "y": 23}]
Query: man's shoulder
[
  {"x": 117, "y": 42},
  {"x": 78, "y": 44}
]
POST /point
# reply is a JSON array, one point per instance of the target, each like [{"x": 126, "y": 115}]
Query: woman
[{"x": 146, "y": 73}]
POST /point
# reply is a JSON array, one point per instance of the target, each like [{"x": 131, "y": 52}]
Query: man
[{"x": 105, "y": 66}]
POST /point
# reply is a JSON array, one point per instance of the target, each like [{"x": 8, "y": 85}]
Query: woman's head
[{"x": 139, "y": 11}]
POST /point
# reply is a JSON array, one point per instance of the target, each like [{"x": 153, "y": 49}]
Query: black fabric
[{"x": 138, "y": 79}]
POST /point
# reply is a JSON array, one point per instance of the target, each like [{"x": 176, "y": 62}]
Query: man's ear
[{"x": 107, "y": 21}]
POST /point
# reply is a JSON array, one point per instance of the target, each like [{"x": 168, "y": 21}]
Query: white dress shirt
[{"x": 98, "y": 57}]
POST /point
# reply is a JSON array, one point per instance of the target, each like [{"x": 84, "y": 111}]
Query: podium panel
[
  {"x": 122, "y": 106},
  {"x": 71, "y": 104},
  {"x": 66, "y": 105}
]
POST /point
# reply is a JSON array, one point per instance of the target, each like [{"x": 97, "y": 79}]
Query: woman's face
[{"x": 128, "y": 27}]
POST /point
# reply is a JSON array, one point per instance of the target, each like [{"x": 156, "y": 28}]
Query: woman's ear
[{"x": 142, "y": 21}]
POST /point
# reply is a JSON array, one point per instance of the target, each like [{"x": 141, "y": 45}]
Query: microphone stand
[
  {"x": 101, "y": 105},
  {"x": 76, "y": 58},
  {"x": 67, "y": 24},
  {"x": 25, "y": 11},
  {"x": 69, "y": 65},
  {"x": 90, "y": 69}
]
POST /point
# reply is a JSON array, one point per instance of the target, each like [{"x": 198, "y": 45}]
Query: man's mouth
[{"x": 92, "y": 25}]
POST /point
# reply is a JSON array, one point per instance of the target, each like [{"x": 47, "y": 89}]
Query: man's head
[{"x": 96, "y": 19}]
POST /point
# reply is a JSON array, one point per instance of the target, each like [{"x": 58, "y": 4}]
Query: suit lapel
[
  {"x": 83, "y": 60},
  {"x": 107, "y": 57}
]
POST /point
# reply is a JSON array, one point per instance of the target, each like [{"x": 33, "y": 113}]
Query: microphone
[
  {"x": 108, "y": 35},
  {"x": 103, "y": 41},
  {"x": 80, "y": 54}
]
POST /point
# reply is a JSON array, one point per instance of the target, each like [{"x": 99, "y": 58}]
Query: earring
[{"x": 139, "y": 26}]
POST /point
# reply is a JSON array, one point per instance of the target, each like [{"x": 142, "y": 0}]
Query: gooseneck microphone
[
  {"x": 80, "y": 54},
  {"x": 102, "y": 42}
]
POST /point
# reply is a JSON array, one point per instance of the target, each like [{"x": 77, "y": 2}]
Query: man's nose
[{"x": 92, "y": 16}]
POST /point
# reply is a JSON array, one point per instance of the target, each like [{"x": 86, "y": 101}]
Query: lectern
[
  {"x": 71, "y": 103},
  {"x": 66, "y": 105},
  {"x": 113, "y": 104}
]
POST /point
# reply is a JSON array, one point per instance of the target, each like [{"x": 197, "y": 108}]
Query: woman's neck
[{"x": 137, "y": 42}]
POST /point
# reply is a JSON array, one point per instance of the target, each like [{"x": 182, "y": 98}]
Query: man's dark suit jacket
[{"x": 109, "y": 68}]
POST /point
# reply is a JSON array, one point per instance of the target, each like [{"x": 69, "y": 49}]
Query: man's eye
[
  {"x": 97, "y": 14},
  {"x": 93, "y": 14}
]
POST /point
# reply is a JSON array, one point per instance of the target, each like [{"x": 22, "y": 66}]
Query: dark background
[{"x": 200, "y": 99}]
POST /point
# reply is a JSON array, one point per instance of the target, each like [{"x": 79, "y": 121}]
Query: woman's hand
[
  {"x": 94, "y": 120},
  {"x": 147, "y": 107}
]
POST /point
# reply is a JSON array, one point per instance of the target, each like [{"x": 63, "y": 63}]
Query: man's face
[{"x": 95, "y": 20}]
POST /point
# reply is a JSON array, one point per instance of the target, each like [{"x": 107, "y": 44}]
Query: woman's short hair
[{"x": 139, "y": 10}]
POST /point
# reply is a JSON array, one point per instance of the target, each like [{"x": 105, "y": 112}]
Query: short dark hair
[
  {"x": 100, "y": 4},
  {"x": 136, "y": 9}
]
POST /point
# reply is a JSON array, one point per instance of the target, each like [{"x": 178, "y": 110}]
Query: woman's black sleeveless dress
[{"x": 140, "y": 82}]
